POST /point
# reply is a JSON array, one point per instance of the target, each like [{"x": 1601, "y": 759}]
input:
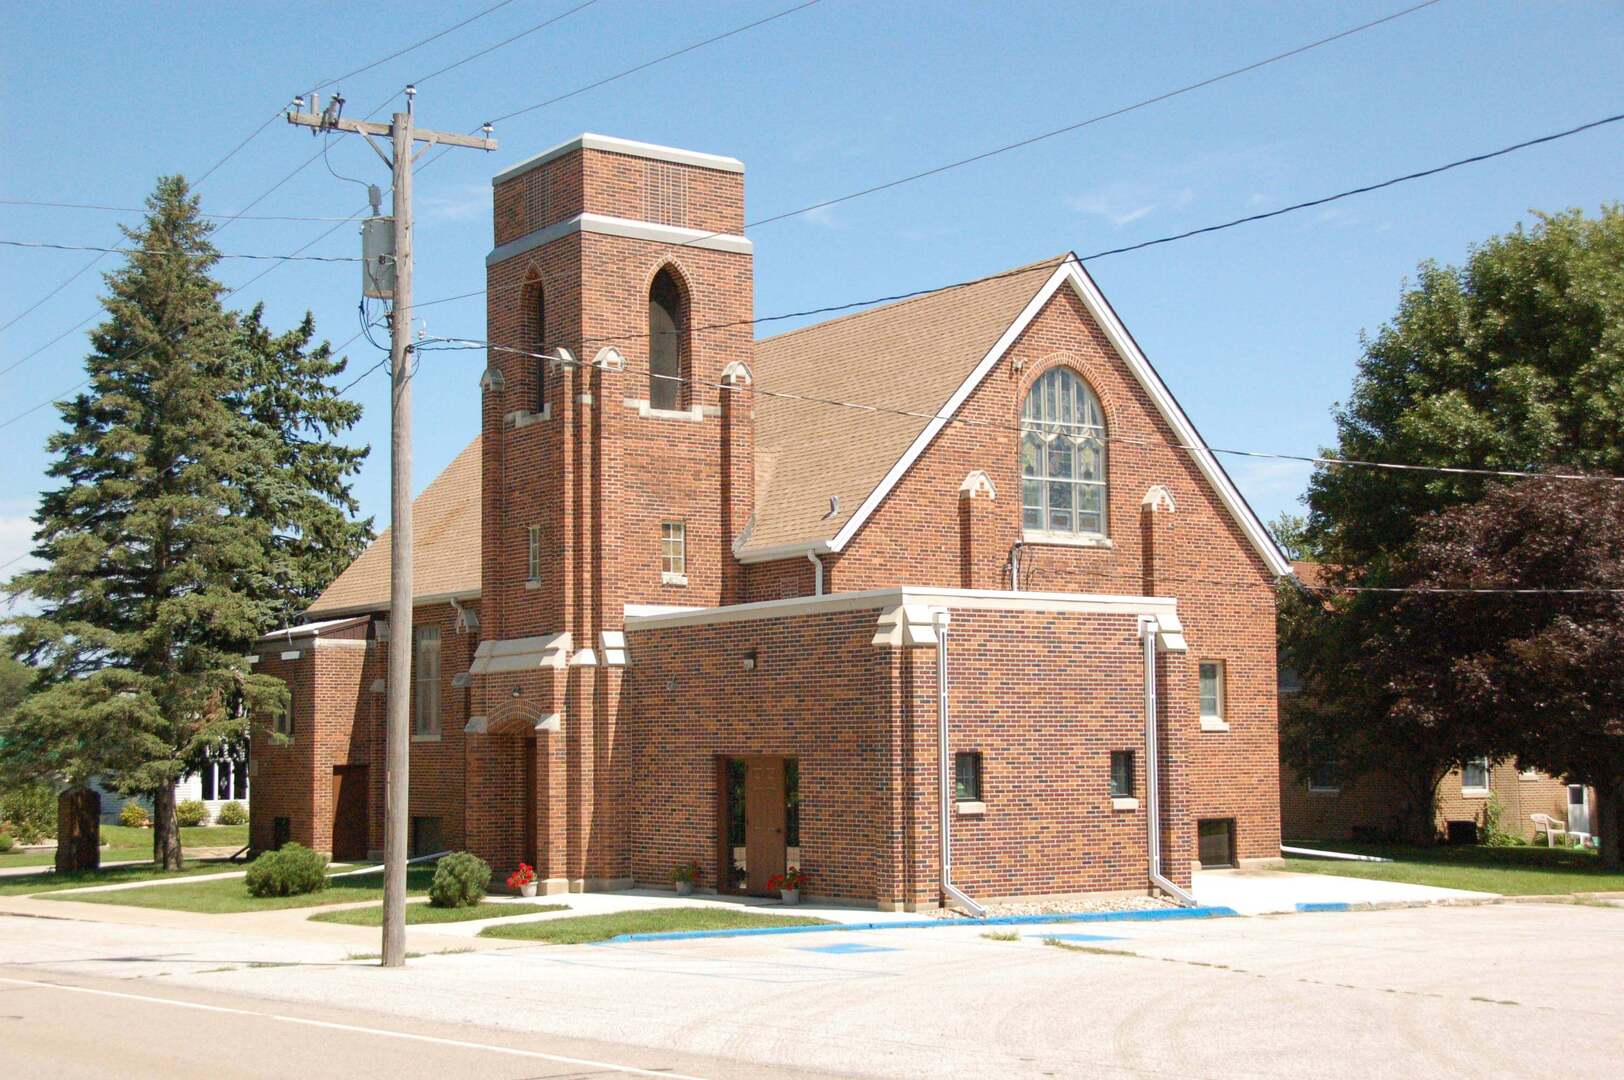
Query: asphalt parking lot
[{"x": 1504, "y": 989}]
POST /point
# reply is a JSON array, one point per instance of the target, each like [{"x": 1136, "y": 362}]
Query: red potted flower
[
  {"x": 523, "y": 880},
  {"x": 788, "y": 885},
  {"x": 685, "y": 877}
]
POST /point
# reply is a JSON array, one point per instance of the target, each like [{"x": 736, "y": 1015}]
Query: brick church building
[{"x": 693, "y": 597}]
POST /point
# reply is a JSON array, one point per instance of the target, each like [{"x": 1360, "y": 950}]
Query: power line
[
  {"x": 659, "y": 60},
  {"x": 241, "y": 214},
  {"x": 237, "y": 216},
  {"x": 176, "y": 254},
  {"x": 1078, "y": 125},
  {"x": 830, "y": 309},
  {"x": 59, "y": 398},
  {"x": 471, "y": 57},
  {"x": 1141, "y": 442}
]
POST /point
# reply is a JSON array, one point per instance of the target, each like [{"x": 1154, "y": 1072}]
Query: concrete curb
[{"x": 1151, "y": 915}]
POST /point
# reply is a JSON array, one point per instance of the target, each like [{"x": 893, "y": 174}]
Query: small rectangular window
[
  {"x": 1212, "y": 690},
  {"x": 1322, "y": 775},
  {"x": 426, "y": 673},
  {"x": 282, "y": 722},
  {"x": 967, "y": 776},
  {"x": 673, "y": 553},
  {"x": 533, "y": 548},
  {"x": 1474, "y": 775},
  {"x": 1122, "y": 774}
]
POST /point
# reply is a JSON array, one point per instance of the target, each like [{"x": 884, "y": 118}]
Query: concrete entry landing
[{"x": 1260, "y": 892}]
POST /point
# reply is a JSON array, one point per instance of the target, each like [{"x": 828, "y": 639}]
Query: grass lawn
[
  {"x": 231, "y": 836},
  {"x": 585, "y": 928},
  {"x": 231, "y": 894},
  {"x": 1511, "y": 871},
  {"x": 428, "y": 913},
  {"x": 49, "y": 881},
  {"x": 127, "y": 844}
]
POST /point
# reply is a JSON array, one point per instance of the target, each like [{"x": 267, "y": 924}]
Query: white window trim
[
  {"x": 693, "y": 414},
  {"x": 1333, "y": 789},
  {"x": 1488, "y": 781},
  {"x": 1124, "y": 802},
  {"x": 1220, "y": 721},
  {"x": 971, "y": 808},
  {"x": 668, "y": 578}
]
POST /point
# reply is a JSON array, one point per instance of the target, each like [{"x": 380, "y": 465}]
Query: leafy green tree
[
  {"x": 284, "y": 391},
  {"x": 1513, "y": 361},
  {"x": 158, "y": 571},
  {"x": 1290, "y": 531}
]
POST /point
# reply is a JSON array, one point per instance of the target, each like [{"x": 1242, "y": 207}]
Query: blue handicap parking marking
[
  {"x": 1079, "y": 937},
  {"x": 846, "y": 947}
]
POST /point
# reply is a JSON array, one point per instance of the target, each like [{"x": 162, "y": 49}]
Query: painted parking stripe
[
  {"x": 1079, "y": 937},
  {"x": 510, "y": 1051},
  {"x": 1140, "y": 915},
  {"x": 846, "y": 948},
  {"x": 1336, "y": 905}
]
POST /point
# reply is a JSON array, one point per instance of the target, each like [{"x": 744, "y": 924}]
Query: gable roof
[
  {"x": 446, "y": 546},
  {"x": 920, "y": 355},
  {"x": 908, "y": 356}
]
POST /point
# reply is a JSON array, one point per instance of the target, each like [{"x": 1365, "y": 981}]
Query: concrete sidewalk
[{"x": 1263, "y": 892}]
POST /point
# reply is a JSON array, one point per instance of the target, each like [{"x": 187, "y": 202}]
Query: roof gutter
[{"x": 782, "y": 551}]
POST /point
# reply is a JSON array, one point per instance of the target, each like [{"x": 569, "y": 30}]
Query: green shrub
[
  {"x": 191, "y": 813},
  {"x": 232, "y": 813},
  {"x": 29, "y": 812},
  {"x": 292, "y": 870},
  {"x": 460, "y": 880},
  {"x": 133, "y": 816},
  {"x": 6, "y": 843}
]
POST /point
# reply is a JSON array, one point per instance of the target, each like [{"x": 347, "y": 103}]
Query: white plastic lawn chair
[{"x": 1550, "y": 826}]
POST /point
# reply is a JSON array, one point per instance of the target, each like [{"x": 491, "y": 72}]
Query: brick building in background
[{"x": 679, "y": 601}]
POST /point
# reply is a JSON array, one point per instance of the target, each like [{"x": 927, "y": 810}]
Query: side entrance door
[
  {"x": 754, "y": 817},
  {"x": 349, "y": 812},
  {"x": 1578, "y": 812}
]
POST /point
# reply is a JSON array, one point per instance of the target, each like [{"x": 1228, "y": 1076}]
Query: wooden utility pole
[{"x": 397, "y": 820}]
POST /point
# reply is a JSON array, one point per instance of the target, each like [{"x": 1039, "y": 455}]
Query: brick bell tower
[{"x": 617, "y": 470}]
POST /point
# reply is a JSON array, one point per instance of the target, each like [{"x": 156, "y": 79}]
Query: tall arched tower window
[
  {"x": 667, "y": 318},
  {"x": 539, "y": 344},
  {"x": 1063, "y": 457}
]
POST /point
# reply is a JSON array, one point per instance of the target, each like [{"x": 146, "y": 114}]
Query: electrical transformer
[{"x": 378, "y": 258}]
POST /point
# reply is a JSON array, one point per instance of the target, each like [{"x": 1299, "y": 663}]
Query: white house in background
[{"x": 222, "y": 779}]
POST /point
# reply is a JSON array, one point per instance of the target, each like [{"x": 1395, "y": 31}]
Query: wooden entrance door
[
  {"x": 527, "y": 748},
  {"x": 349, "y": 812},
  {"x": 764, "y": 819}
]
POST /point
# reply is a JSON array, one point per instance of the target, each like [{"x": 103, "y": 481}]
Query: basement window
[{"x": 967, "y": 776}]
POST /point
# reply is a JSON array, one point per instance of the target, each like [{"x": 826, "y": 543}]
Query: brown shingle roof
[
  {"x": 445, "y": 545},
  {"x": 910, "y": 355}
]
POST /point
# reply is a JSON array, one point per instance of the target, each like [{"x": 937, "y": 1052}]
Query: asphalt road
[
  {"x": 55, "y": 1026},
  {"x": 1527, "y": 990}
]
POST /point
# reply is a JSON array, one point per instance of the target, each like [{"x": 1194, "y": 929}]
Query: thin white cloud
[{"x": 462, "y": 203}]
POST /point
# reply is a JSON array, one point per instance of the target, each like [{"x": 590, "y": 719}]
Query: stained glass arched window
[{"x": 1063, "y": 457}]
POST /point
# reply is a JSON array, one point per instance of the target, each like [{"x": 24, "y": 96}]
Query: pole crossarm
[{"x": 370, "y": 127}]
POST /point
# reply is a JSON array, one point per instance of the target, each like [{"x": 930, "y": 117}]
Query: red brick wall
[
  {"x": 1225, "y": 593},
  {"x": 862, "y": 720}
]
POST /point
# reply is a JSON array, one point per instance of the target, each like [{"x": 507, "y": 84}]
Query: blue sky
[{"x": 1256, "y": 330}]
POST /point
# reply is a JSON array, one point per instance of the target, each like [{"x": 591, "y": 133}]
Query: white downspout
[
  {"x": 1148, "y": 630},
  {"x": 817, "y": 570},
  {"x": 949, "y": 890}
]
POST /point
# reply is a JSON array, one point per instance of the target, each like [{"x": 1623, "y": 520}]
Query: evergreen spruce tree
[
  {"x": 159, "y": 572},
  {"x": 283, "y": 392}
]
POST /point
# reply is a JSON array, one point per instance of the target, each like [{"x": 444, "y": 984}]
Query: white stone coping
[
  {"x": 630, "y": 147},
  {"x": 630, "y": 228},
  {"x": 1163, "y": 608}
]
